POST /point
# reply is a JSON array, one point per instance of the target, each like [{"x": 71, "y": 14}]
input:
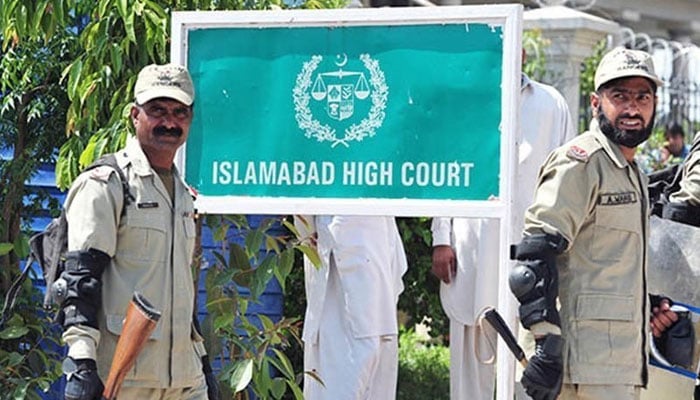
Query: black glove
[
  {"x": 82, "y": 381},
  {"x": 677, "y": 343},
  {"x": 212, "y": 384},
  {"x": 543, "y": 375}
]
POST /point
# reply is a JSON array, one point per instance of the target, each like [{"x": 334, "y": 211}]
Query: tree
[
  {"x": 32, "y": 108},
  {"x": 121, "y": 38},
  {"x": 68, "y": 70}
]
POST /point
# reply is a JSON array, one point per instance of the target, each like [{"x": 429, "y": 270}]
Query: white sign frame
[{"x": 508, "y": 16}]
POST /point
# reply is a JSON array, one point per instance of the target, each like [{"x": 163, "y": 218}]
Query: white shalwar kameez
[
  {"x": 350, "y": 328},
  {"x": 545, "y": 124}
]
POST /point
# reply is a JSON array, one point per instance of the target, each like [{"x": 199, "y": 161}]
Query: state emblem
[{"x": 341, "y": 91}]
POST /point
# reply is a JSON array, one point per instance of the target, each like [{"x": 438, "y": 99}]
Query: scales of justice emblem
[{"x": 340, "y": 89}]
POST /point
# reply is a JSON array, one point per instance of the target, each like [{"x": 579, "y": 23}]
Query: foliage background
[{"x": 66, "y": 75}]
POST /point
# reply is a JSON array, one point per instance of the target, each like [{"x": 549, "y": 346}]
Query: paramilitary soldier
[
  {"x": 585, "y": 243},
  {"x": 148, "y": 250},
  {"x": 684, "y": 204}
]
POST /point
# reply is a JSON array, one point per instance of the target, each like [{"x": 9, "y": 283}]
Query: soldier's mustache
[
  {"x": 163, "y": 131},
  {"x": 631, "y": 117}
]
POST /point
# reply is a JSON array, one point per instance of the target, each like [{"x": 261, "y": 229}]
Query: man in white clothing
[
  {"x": 350, "y": 327},
  {"x": 466, "y": 253}
]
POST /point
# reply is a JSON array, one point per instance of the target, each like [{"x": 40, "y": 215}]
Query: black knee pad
[
  {"x": 79, "y": 288},
  {"x": 534, "y": 279}
]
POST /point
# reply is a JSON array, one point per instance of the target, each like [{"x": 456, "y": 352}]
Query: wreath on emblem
[{"x": 323, "y": 132}]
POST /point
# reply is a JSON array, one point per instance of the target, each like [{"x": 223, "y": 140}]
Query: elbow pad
[
  {"x": 534, "y": 279},
  {"x": 79, "y": 288}
]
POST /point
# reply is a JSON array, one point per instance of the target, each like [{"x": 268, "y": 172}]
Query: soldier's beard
[{"x": 625, "y": 137}]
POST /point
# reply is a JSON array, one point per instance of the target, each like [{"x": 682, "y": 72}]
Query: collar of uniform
[
  {"x": 134, "y": 155},
  {"x": 608, "y": 145}
]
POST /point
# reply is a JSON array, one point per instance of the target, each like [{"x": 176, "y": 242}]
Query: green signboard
[{"x": 315, "y": 110}]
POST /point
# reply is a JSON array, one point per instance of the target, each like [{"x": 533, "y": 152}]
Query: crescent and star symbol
[{"x": 341, "y": 60}]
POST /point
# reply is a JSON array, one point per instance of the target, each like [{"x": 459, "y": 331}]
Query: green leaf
[
  {"x": 284, "y": 366},
  {"x": 220, "y": 258},
  {"x": 21, "y": 20},
  {"x": 266, "y": 224},
  {"x": 242, "y": 305},
  {"x": 221, "y": 306},
  {"x": 62, "y": 172},
  {"x": 38, "y": 16},
  {"x": 138, "y": 8},
  {"x": 224, "y": 321},
  {"x": 278, "y": 387},
  {"x": 286, "y": 263},
  {"x": 75, "y": 69},
  {"x": 267, "y": 323},
  {"x": 21, "y": 246},
  {"x": 13, "y": 359},
  {"x": 48, "y": 25},
  {"x": 253, "y": 241},
  {"x": 223, "y": 278},
  {"x": 311, "y": 253},
  {"x": 220, "y": 232},
  {"x": 241, "y": 375},
  {"x": 20, "y": 391},
  {"x": 129, "y": 27},
  {"x": 102, "y": 8},
  {"x": 88, "y": 155},
  {"x": 262, "y": 380},
  {"x": 263, "y": 274},
  {"x": 13, "y": 332},
  {"x": 290, "y": 226},
  {"x": 5, "y": 248},
  {"x": 86, "y": 89},
  {"x": 238, "y": 220},
  {"x": 121, "y": 8},
  {"x": 58, "y": 14},
  {"x": 44, "y": 385},
  {"x": 244, "y": 278},
  {"x": 238, "y": 258},
  {"x": 298, "y": 394},
  {"x": 271, "y": 243}
]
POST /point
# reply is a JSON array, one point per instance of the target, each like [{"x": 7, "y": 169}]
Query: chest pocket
[
  {"x": 144, "y": 236},
  {"x": 616, "y": 230},
  {"x": 189, "y": 224},
  {"x": 190, "y": 231}
]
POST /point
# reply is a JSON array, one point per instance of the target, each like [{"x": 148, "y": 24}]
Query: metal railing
[{"x": 678, "y": 65}]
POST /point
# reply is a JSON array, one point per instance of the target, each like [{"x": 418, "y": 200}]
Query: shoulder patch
[
  {"x": 101, "y": 173},
  {"x": 577, "y": 153},
  {"x": 193, "y": 192},
  {"x": 582, "y": 147}
]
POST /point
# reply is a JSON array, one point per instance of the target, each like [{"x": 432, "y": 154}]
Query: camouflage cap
[
  {"x": 622, "y": 63},
  {"x": 170, "y": 81}
]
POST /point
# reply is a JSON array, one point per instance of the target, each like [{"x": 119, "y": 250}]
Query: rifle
[{"x": 141, "y": 319}]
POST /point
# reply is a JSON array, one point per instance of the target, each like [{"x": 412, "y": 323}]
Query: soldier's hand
[
  {"x": 82, "y": 381},
  {"x": 444, "y": 263},
  {"x": 662, "y": 318},
  {"x": 543, "y": 375}
]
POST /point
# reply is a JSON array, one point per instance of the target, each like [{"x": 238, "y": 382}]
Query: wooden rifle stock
[{"x": 141, "y": 319}]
